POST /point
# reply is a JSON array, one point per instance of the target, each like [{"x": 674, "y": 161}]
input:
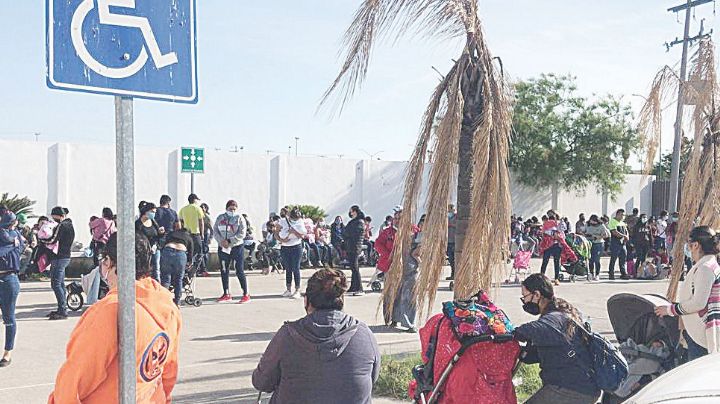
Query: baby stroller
[
  {"x": 574, "y": 259},
  {"x": 75, "y": 289},
  {"x": 189, "y": 280},
  {"x": 469, "y": 355},
  {"x": 521, "y": 265},
  {"x": 649, "y": 343}
]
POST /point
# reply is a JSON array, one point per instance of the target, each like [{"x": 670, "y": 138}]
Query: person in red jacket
[{"x": 90, "y": 372}]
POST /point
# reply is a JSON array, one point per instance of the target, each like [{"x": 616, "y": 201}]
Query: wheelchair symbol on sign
[{"x": 106, "y": 17}]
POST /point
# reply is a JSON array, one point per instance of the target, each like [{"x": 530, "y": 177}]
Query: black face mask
[
  {"x": 531, "y": 308},
  {"x": 350, "y": 215}
]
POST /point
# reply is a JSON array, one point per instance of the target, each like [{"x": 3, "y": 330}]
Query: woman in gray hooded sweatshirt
[{"x": 325, "y": 357}]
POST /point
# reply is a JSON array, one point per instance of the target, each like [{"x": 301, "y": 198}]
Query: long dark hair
[
  {"x": 707, "y": 238},
  {"x": 541, "y": 283}
]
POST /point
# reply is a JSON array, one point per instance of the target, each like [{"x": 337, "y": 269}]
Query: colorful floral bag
[{"x": 476, "y": 317}]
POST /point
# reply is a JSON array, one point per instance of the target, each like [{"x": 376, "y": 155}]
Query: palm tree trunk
[{"x": 464, "y": 187}]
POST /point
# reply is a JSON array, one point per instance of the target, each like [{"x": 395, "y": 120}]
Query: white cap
[{"x": 397, "y": 208}]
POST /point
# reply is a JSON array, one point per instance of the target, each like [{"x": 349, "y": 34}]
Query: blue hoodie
[{"x": 9, "y": 251}]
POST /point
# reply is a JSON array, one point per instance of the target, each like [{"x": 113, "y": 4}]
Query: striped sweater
[{"x": 699, "y": 303}]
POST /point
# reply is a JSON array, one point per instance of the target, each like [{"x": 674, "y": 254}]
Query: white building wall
[{"x": 82, "y": 178}]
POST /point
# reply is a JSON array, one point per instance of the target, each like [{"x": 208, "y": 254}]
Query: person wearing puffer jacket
[
  {"x": 230, "y": 231},
  {"x": 353, "y": 236},
  {"x": 11, "y": 246}
]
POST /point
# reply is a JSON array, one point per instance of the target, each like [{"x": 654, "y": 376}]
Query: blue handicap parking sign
[{"x": 142, "y": 48}]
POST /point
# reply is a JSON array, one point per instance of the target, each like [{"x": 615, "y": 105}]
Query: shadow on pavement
[
  {"x": 221, "y": 396},
  {"x": 236, "y": 358},
  {"x": 249, "y": 337},
  {"x": 214, "y": 378}
]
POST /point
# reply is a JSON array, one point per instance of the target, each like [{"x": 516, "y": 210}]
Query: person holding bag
[{"x": 230, "y": 231}]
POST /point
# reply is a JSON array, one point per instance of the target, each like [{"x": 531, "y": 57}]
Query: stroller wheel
[
  {"x": 189, "y": 300},
  {"x": 197, "y": 303},
  {"x": 376, "y": 286},
  {"x": 75, "y": 301}
]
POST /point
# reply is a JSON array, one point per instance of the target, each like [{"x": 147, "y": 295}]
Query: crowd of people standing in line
[{"x": 637, "y": 244}]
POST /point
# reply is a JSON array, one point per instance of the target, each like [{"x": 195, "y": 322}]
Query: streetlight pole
[{"x": 296, "y": 145}]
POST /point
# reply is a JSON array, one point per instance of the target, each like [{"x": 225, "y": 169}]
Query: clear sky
[{"x": 264, "y": 65}]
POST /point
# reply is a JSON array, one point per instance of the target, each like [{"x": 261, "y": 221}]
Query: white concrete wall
[{"x": 82, "y": 178}]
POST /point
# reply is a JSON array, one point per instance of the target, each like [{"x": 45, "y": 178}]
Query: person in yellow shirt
[
  {"x": 191, "y": 218},
  {"x": 90, "y": 372}
]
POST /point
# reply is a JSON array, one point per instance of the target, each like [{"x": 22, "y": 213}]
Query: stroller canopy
[{"x": 633, "y": 316}]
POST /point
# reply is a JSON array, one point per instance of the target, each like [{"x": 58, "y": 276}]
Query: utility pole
[
  {"x": 296, "y": 145},
  {"x": 677, "y": 144},
  {"x": 37, "y": 136}
]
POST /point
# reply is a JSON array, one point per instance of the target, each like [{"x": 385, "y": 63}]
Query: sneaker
[
  {"x": 411, "y": 330},
  {"x": 295, "y": 294},
  {"x": 224, "y": 298},
  {"x": 359, "y": 293},
  {"x": 287, "y": 293},
  {"x": 203, "y": 274},
  {"x": 58, "y": 316},
  {"x": 244, "y": 299},
  {"x": 51, "y": 313},
  {"x": 624, "y": 277},
  {"x": 5, "y": 362}
]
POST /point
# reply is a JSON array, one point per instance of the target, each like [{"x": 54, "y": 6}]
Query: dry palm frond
[
  {"x": 442, "y": 176},
  {"x": 376, "y": 19},
  {"x": 411, "y": 194},
  {"x": 650, "y": 118},
  {"x": 700, "y": 203}
]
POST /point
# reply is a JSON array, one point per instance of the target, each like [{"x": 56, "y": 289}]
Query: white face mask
[{"x": 230, "y": 213}]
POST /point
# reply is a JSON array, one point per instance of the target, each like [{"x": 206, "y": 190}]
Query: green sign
[{"x": 193, "y": 160}]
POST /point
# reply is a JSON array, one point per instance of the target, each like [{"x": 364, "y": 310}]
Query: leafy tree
[
  {"x": 17, "y": 204},
  {"x": 313, "y": 212},
  {"x": 662, "y": 168},
  {"x": 560, "y": 138}
]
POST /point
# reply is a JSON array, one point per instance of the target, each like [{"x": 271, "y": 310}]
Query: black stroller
[
  {"x": 633, "y": 317},
  {"x": 189, "y": 281}
]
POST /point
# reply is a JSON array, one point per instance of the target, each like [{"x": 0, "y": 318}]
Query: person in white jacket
[
  {"x": 699, "y": 295},
  {"x": 229, "y": 231}
]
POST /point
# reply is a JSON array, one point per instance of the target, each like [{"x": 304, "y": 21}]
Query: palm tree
[
  {"x": 700, "y": 202},
  {"x": 464, "y": 138},
  {"x": 17, "y": 204}
]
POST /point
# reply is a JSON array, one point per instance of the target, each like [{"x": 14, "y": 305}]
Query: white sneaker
[
  {"x": 287, "y": 293},
  {"x": 295, "y": 294}
]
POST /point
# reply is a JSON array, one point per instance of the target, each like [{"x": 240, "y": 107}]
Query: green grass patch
[{"x": 396, "y": 373}]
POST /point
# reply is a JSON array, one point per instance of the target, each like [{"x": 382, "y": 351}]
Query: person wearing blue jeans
[
  {"x": 9, "y": 290},
  {"x": 57, "y": 283},
  {"x": 236, "y": 255},
  {"x": 291, "y": 261},
  {"x": 172, "y": 270}
]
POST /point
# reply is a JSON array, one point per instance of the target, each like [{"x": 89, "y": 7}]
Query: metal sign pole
[
  {"x": 125, "y": 173},
  {"x": 192, "y": 182}
]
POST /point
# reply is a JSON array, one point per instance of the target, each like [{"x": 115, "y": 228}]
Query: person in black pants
[
  {"x": 618, "y": 241},
  {"x": 553, "y": 252},
  {"x": 642, "y": 238},
  {"x": 353, "y": 237}
]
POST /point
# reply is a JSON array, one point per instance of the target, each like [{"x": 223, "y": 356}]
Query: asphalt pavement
[{"x": 222, "y": 342}]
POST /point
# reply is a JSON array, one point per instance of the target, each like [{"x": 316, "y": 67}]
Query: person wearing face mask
[
  {"x": 290, "y": 233},
  {"x": 661, "y": 226},
  {"x": 90, "y": 371},
  {"x": 353, "y": 242},
  {"x": 643, "y": 240},
  {"x": 597, "y": 232},
  {"x": 230, "y": 231},
  {"x": 12, "y": 246},
  {"x": 566, "y": 378},
  {"x": 147, "y": 226},
  {"x": 64, "y": 237},
  {"x": 698, "y": 296},
  {"x": 619, "y": 236},
  {"x": 325, "y": 357}
]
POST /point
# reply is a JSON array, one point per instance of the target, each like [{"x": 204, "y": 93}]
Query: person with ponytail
[
  {"x": 554, "y": 342},
  {"x": 699, "y": 295}
]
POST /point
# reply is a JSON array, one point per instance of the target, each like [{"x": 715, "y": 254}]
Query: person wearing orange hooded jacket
[{"x": 90, "y": 372}]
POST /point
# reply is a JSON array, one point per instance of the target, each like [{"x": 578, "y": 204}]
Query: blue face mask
[
  {"x": 686, "y": 251},
  {"x": 150, "y": 215}
]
